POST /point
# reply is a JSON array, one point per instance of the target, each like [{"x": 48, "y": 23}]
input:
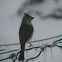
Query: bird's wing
[{"x": 25, "y": 33}]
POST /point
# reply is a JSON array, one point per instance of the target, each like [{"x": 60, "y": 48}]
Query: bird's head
[{"x": 27, "y": 18}]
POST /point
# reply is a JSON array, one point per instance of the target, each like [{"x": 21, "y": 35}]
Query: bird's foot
[{"x": 30, "y": 45}]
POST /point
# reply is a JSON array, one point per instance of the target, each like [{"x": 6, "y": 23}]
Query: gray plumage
[{"x": 25, "y": 33}]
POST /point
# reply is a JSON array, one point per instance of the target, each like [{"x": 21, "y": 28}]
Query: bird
[{"x": 25, "y": 33}]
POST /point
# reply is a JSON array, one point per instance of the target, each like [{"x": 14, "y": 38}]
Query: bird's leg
[{"x": 30, "y": 44}]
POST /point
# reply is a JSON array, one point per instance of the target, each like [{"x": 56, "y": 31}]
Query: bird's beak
[{"x": 32, "y": 17}]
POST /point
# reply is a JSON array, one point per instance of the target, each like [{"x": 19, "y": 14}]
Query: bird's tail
[{"x": 21, "y": 56}]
